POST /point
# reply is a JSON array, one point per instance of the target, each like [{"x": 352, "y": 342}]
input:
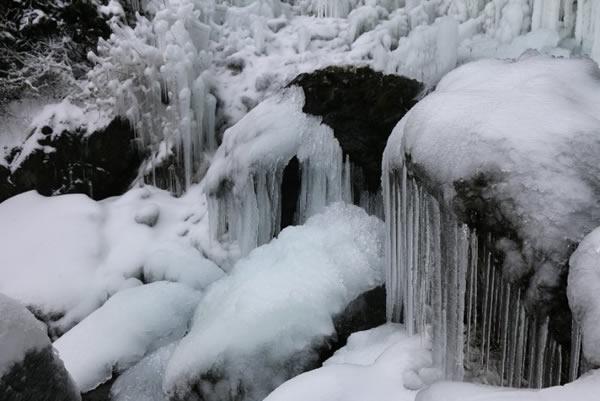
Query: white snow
[
  {"x": 20, "y": 332},
  {"x": 68, "y": 254},
  {"x": 376, "y": 364},
  {"x": 277, "y": 301},
  {"x": 583, "y": 289},
  {"x": 531, "y": 127},
  {"x": 583, "y": 389},
  {"x": 127, "y": 327}
]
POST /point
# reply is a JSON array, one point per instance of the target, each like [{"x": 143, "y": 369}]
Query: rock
[
  {"x": 362, "y": 106},
  {"x": 30, "y": 369},
  {"x": 101, "y": 164}
]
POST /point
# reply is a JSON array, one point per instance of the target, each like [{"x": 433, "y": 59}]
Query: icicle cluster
[
  {"x": 154, "y": 74},
  {"x": 440, "y": 273}
]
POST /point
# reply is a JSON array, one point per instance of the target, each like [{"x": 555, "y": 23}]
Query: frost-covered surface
[
  {"x": 20, "y": 333},
  {"x": 528, "y": 131},
  {"x": 583, "y": 289},
  {"x": 377, "y": 364},
  {"x": 127, "y": 327},
  {"x": 265, "y": 321},
  {"x": 583, "y": 389},
  {"x": 68, "y": 254}
]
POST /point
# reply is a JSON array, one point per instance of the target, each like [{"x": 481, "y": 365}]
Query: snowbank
[
  {"x": 269, "y": 318},
  {"x": 513, "y": 147},
  {"x": 127, "y": 327},
  {"x": 377, "y": 364},
  {"x": 583, "y": 389},
  {"x": 65, "y": 255}
]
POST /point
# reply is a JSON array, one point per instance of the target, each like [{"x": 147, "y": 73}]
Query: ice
[
  {"x": 244, "y": 179},
  {"x": 583, "y": 389},
  {"x": 511, "y": 136},
  {"x": 65, "y": 255},
  {"x": 131, "y": 324},
  {"x": 20, "y": 333},
  {"x": 143, "y": 381},
  {"x": 264, "y": 322},
  {"x": 377, "y": 365},
  {"x": 583, "y": 292}
]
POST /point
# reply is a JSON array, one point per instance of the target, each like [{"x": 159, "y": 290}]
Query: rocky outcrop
[
  {"x": 362, "y": 106},
  {"x": 101, "y": 164}
]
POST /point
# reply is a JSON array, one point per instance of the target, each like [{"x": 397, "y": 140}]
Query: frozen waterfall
[{"x": 444, "y": 275}]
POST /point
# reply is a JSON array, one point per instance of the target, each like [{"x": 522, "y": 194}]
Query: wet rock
[{"x": 362, "y": 107}]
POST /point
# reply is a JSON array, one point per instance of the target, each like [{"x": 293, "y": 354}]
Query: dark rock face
[
  {"x": 290, "y": 191},
  {"x": 253, "y": 377},
  {"x": 100, "y": 165},
  {"x": 40, "y": 377},
  {"x": 362, "y": 107}
]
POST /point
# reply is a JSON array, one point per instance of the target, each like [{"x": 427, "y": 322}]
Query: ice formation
[
  {"x": 377, "y": 364},
  {"x": 582, "y": 289},
  {"x": 131, "y": 324},
  {"x": 245, "y": 176},
  {"x": 508, "y": 148},
  {"x": 154, "y": 75},
  {"x": 86, "y": 251},
  {"x": 267, "y": 320},
  {"x": 166, "y": 72}
]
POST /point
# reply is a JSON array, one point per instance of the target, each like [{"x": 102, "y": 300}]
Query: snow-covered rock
[
  {"x": 29, "y": 367},
  {"x": 65, "y": 255},
  {"x": 269, "y": 319},
  {"x": 130, "y": 325},
  {"x": 375, "y": 365},
  {"x": 513, "y": 148},
  {"x": 583, "y": 291}
]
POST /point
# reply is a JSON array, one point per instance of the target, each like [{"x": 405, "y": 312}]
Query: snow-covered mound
[
  {"x": 269, "y": 319},
  {"x": 127, "y": 327},
  {"x": 583, "y": 389},
  {"x": 29, "y": 367},
  {"x": 583, "y": 291},
  {"x": 514, "y": 149},
  {"x": 378, "y": 364},
  {"x": 65, "y": 255}
]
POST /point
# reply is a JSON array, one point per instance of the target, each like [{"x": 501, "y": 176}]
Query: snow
[
  {"x": 257, "y": 326},
  {"x": 583, "y": 389},
  {"x": 67, "y": 254},
  {"x": 529, "y": 126},
  {"x": 127, "y": 327},
  {"x": 376, "y": 364},
  {"x": 20, "y": 333},
  {"x": 582, "y": 289}
]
